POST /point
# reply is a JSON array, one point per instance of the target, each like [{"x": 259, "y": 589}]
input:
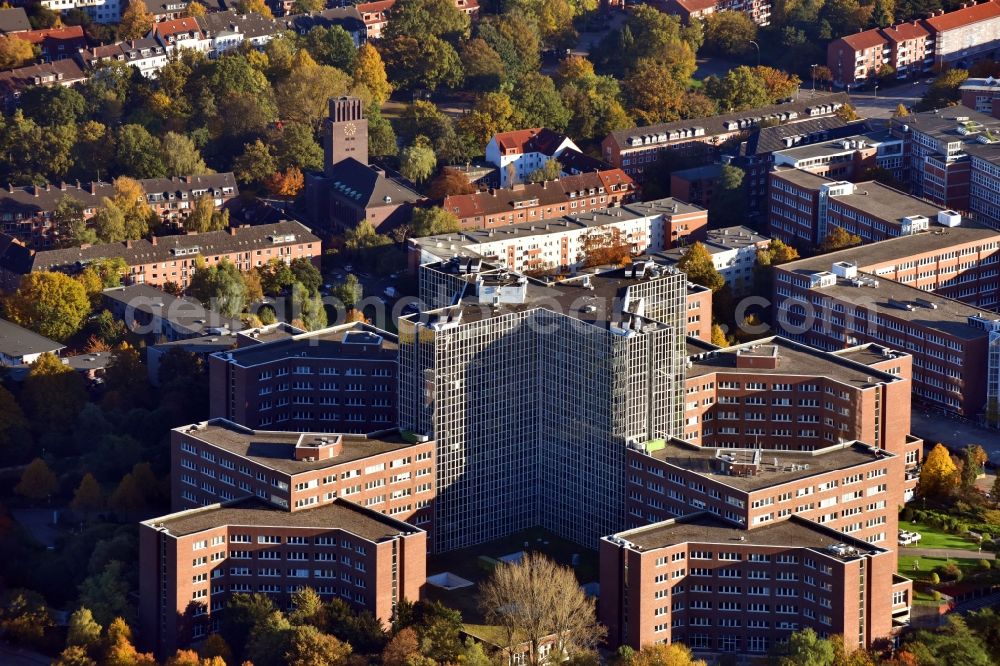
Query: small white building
[
  {"x": 734, "y": 254},
  {"x": 517, "y": 153},
  {"x": 19, "y": 346}
]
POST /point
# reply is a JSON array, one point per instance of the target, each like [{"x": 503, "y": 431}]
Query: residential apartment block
[
  {"x": 841, "y": 306},
  {"x": 733, "y": 251},
  {"x": 100, "y": 11},
  {"x": 173, "y": 259},
  {"x": 636, "y": 149},
  {"x": 338, "y": 379},
  {"x": 758, "y": 11},
  {"x": 26, "y": 211},
  {"x": 956, "y": 38},
  {"x": 717, "y": 589},
  {"x": 55, "y": 43},
  {"x": 528, "y": 202},
  {"x": 583, "y": 366},
  {"x": 191, "y": 562},
  {"x": 158, "y": 316},
  {"x": 563, "y": 244}
]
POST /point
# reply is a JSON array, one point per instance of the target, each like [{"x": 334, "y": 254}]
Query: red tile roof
[
  {"x": 963, "y": 17},
  {"x": 375, "y": 7},
  {"x": 168, "y": 28},
  {"x": 694, "y": 6},
  {"x": 533, "y": 140},
  {"x": 861, "y": 41},
  {"x": 73, "y": 32},
  {"x": 905, "y": 32}
]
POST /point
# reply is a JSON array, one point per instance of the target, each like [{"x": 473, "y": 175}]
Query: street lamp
[
  {"x": 756, "y": 46},
  {"x": 812, "y": 71}
]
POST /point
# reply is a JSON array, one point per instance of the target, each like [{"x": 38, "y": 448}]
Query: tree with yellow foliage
[
  {"x": 719, "y": 338},
  {"x": 15, "y": 52},
  {"x": 51, "y": 304},
  {"x": 136, "y": 21},
  {"x": 938, "y": 475},
  {"x": 660, "y": 654},
  {"x": 369, "y": 71},
  {"x": 120, "y": 651}
]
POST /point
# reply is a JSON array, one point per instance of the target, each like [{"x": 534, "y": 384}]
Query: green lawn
[
  {"x": 934, "y": 538},
  {"x": 926, "y": 565}
]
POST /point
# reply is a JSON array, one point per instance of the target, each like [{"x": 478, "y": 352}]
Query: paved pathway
[
  {"x": 953, "y": 553},
  {"x": 954, "y": 432}
]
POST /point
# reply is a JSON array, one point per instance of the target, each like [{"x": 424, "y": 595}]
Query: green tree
[
  {"x": 433, "y": 221},
  {"x": 37, "y": 482},
  {"x": 364, "y": 237},
  {"x": 255, "y": 164},
  {"x": 51, "y": 304},
  {"x": 127, "y": 497},
  {"x": 697, "y": 263},
  {"x": 308, "y": 646},
  {"x": 418, "y": 161},
  {"x": 297, "y": 147},
  {"x": 308, "y": 307},
  {"x": 516, "y": 39},
  {"x": 728, "y": 198},
  {"x": 50, "y": 106},
  {"x": 203, "y": 217},
  {"x": 307, "y": 608},
  {"x": 54, "y": 393},
  {"x": 137, "y": 152},
  {"x": 220, "y": 287},
  {"x": 109, "y": 222},
  {"x": 653, "y": 94},
  {"x": 331, "y": 46},
  {"x": 882, "y": 14},
  {"x": 68, "y": 223},
  {"x": 944, "y": 90},
  {"x": 729, "y": 33},
  {"x": 15, "y": 439},
  {"x": 306, "y": 274},
  {"x": 270, "y": 641},
  {"x": 484, "y": 69},
  {"x": 538, "y": 104},
  {"x": 952, "y": 643},
  {"x": 805, "y": 648},
  {"x": 136, "y": 21},
  {"x": 349, "y": 292},
  {"x": 422, "y": 63},
  {"x": 83, "y": 630},
  {"x": 308, "y": 6},
  {"x": 275, "y": 277},
  {"x": 428, "y": 18},
  {"x": 106, "y": 594},
  {"x": 381, "y": 137},
  {"x": 88, "y": 497},
  {"x": 938, "y": 474},
  {"x": 181, "y": 157},
  {"x": 303, "y": 95},
  {"x": 243, "y": 613}
]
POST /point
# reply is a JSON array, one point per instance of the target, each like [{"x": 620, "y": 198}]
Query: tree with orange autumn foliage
[{"x": 287, "y": 184}]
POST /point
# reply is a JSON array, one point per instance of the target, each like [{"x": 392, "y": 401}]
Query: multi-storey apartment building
[
  {"x": 26, "y": 212},
  {"x": 564, "y": 243},
  {"x": 100, "y": 11},
  {"x": 699, "y": 312},
  {"x": 638, "y": 148},
  {"x": 568, "y": 195},
  {"x": 841, "y": 307},
  {"x": 703, "y": 581},
  {"x": 583, "y": 366},
  {"x": 338, "y": 379},
  {"x": 191, "y": 562},
  {"x": 733, "y": 251},
  {"x": 146, "y": 55},
  {"x": 55, "y": 43},
  {"x": 163, "y": 259},
  {"x": 389, "y": 471},
  {"x": 954, "y": 38},
  {"x": 157, "y": 316},
  {"x": 779, "y": 394},
  {"x": 758, "y": 11},
  {"x": 849, "y": 158},
  {"x": 843, "y": 486}
]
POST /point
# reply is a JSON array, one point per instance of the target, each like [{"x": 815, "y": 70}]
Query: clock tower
[{"x": 345, "y": 132}]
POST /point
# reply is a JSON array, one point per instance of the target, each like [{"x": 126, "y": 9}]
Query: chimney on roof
[
  {"x": 232, "y": 231},
  {"x": 128, "y": 243},
  {"x": 62, "y": 186},
  {"x": 10, "y": 188},
  {"x": 48, "y": 187},
  {"x": 152, "y": 241}
]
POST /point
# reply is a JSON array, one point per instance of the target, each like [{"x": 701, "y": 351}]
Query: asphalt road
[
  {"x": 882, "y": 103},
  {"x": 954, "y": 432}
]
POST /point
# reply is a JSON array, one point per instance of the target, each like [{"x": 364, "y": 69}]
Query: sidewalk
[{"x": 951, "y": 553}]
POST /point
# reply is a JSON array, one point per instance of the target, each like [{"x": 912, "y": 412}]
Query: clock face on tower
[{"x": 350, "y": 129}]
